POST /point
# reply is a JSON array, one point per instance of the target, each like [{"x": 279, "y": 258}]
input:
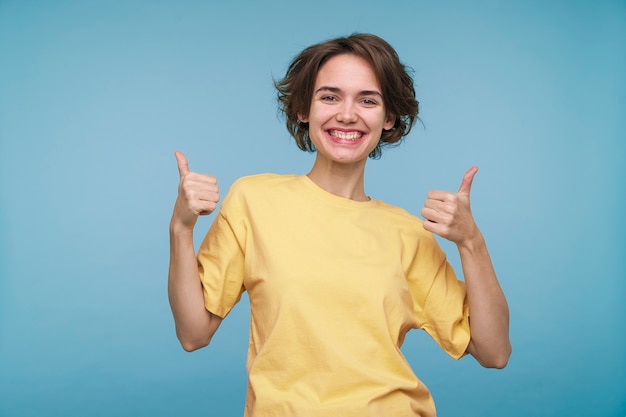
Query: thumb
[
  {"x": 466, "y": 184},
  {"x": 183, "y": 165}
]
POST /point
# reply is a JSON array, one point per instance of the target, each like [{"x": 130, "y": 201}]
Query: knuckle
[
  {"x": 185, "y": 185},
  {"x": 190, "y": 193}
]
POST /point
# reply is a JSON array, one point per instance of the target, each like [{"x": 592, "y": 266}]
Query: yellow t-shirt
[{"x": 334, "y": 285}]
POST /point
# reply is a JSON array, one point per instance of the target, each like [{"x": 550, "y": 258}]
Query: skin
[
  {"x": 346, "y": 119},
  {"x": 449, "y": 216},
  {"x": 346, "y": 103},
  {"x": 198, "y": 194}
]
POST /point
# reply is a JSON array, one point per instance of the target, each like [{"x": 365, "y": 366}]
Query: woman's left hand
[{"x": 449, "y": 215}]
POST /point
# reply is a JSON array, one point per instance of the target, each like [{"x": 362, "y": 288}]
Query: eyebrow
[{"x": 338, "y": 90}]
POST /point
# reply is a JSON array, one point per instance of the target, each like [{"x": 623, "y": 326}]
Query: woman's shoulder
[
  {"x": 264, "y": 181},
  {"x": 263, "y": 186},
  {"x": 256, "y": 190},
  {"x": 397, "y": 212},
  {"x": 401, "y": 219}
]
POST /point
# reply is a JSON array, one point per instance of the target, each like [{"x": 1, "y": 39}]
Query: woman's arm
[
  {"x": 449, "y": 216},
  {"x": 489, "y": 313},
  {"x": 198, "y": 194}
]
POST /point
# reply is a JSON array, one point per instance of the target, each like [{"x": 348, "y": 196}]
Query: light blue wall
[{"x": 95, "y": 97}]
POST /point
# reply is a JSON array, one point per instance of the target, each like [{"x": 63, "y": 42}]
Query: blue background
[{"x": 95, "y": 97}]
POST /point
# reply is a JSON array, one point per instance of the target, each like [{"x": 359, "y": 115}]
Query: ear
[
  {"x": 390, "y": 121},
  {"x": 303, "y": 118}
]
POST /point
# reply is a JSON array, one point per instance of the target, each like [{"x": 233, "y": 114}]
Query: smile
[{"x": 352, "y": 135}]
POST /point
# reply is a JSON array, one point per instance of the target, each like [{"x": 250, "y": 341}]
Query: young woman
[{"x": 335, "y": 278}]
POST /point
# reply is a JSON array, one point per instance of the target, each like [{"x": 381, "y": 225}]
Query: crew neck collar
[{"x": 335, "y": 199}]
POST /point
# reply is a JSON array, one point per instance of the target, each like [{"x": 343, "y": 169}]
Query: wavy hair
[{"x": 295, "y": 90}]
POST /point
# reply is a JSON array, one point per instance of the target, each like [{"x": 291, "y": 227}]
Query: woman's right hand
[{"x": 198, "y": 195}]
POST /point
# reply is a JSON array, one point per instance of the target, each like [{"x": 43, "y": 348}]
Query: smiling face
[{"x": 347, "y": 114}]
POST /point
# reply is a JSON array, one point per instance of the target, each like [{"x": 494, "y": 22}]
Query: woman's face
[{"x": 347, "y": 115}]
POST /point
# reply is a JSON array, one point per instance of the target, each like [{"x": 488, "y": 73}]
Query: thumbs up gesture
[
  {"x": 448, "y": 214},
  {"x": 198, "y": 195}
]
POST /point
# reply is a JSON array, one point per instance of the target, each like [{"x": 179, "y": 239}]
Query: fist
[
  {"x": 198, "y": 195},
  {"x": 448, "y": 214}
]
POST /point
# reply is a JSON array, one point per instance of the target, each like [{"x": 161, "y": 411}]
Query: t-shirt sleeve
[
  {"x": 221, "y": 257},
  {"x": 440, "y": 299}
]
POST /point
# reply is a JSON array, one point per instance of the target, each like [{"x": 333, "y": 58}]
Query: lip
[{"x": 348, "y": 134}]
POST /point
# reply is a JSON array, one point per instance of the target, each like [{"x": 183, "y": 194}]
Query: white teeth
[{"x": 345, "y": 135}]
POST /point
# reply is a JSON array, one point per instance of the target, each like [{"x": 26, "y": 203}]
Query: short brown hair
[{"x": 295, "y": 91}]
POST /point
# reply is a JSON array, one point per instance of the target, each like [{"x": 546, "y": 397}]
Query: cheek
[{"x": 319, "y": 115}]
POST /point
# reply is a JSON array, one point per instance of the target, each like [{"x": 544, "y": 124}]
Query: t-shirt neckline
[{"x": 332, "y": 198}]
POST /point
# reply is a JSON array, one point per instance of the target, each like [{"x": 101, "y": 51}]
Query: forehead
[{"x": 347, "y": 71}]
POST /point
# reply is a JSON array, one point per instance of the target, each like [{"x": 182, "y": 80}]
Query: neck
[{"x": 343, "y": 180}]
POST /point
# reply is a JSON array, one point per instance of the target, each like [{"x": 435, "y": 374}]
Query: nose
[{"x": 347, "y": 113}]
